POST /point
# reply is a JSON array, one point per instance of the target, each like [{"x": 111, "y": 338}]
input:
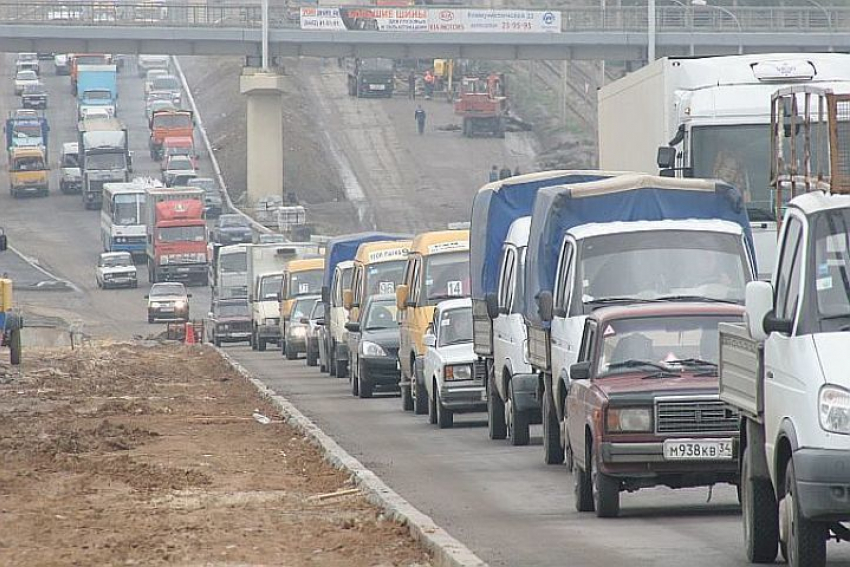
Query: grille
[
  {"x": 479, "y": 370},
  {"x": 694, "y": 416}
]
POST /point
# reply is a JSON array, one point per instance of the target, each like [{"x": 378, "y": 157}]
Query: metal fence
[{"x": 690, "y": 18}]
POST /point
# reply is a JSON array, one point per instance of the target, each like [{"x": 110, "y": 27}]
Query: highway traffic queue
[{"x": 620, "y": 310}]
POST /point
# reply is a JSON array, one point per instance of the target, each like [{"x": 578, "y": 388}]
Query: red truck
[
  {"x": 176, "y": 235},
  {"x": 643, "y": 407},
  {"x": 169, "y": 124},
  {"x": 482, "y": 104}
]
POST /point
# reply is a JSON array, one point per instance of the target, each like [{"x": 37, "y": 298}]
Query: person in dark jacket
[{"x": 420, "y": 117}]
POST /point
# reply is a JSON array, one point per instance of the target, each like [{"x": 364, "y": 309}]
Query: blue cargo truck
[
  {"x": 97, "y": 87},
  {"x": 28, "y": 132}
]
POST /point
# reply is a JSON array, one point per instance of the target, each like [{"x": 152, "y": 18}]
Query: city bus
[{"x": 122, "y": 226}]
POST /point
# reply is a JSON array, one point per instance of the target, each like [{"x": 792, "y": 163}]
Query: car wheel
[
  {"x": 583, "y": 487},
  {"x": 517, "y": 421},
  {"x": 15, "y": 347},
  {"x": 606, "y": 492},
  {"x": 150, "y": 319},
  {"x": 804, "y": 539},
  {"x": 420, "y": 402},
  {"x": 445, "y": 416},
  {"x": 553, "y": 452},
  {"x": 290, "y": 352},
  {"x": 760, "y": 514},
  {"x": 432, "y": 406},
  {"x": 216, "y": 341},
  {"x": 341, "y": 368},
  {"x": 496, "y": 426},
  {"x": 332, "y": 360},
  {"x": 261, "y": 344},
  {"x": 311, "y": 358},
  {"x": 364, "y": 386},
  {"x": 406, "y": 398}
]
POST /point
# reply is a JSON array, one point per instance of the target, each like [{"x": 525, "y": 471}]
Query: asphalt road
[{"x": 503, "y": 502}]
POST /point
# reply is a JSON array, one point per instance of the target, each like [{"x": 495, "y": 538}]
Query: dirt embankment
[
  {"x": 309, "y": 172},
  {"x": 130, "y": 455}
]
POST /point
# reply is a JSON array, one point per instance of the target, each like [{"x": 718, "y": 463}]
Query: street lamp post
[
  {"x": 728, "y": 13},
  {"x": 828, "y": 15},
  {"x": 650, "y": 29}
]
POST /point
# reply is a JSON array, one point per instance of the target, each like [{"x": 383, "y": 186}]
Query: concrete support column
[{"x": 265, "y": 133}]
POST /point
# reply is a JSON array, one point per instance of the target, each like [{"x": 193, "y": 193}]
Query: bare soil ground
[{"x": 121, "y": 454}]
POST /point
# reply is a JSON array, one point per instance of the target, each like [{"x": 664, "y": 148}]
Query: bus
[{"x": 122, "y": 225}]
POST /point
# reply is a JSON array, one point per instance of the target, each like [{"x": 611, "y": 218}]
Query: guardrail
[{"x": 690, "y": 18}]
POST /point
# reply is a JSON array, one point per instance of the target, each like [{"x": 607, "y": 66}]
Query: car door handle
[{"x": 769, "y": 375}]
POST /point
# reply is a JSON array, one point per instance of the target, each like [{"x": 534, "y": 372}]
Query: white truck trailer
[{"x": 711, "y": 116}]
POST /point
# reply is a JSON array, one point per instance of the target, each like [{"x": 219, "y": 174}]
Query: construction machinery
[
  {"x": 482, "y": 104},
  {"x": 10, "y": 323}
]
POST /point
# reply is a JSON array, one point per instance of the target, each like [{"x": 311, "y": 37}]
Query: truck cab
[
  {"x": 665, "y": 240},
  {"x": 370, "y": 77},
  {"x": 28, "y": 172},
  {"x": 437, "y": 269},
  {"x": 786, "y": 370}
]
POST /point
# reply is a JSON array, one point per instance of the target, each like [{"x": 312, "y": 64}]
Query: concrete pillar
[{"x": 265, "y": 133}]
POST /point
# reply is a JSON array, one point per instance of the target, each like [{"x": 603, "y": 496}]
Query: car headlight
[
  {"x": 458, "y": 372},
  {"x": 180, "y": 304},
  {"x": 368, "y": 348},
  {"x": 272, "y": 321},
  {"x": 225, "y": 327},
  {"x": 629, "y": 420},
  {"x": 163, "y": 260},
  {"x": 155, "y": 305},
  {"x": 834, "y": 409},
  {"x": 298, "y": 331}
]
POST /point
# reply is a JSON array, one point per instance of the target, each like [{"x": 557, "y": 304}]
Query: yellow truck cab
[
  {"x": 437, "y": 269},
  {"x": 28, "y": 172},
  {"x": 301, "y": 277},
  {"x": 378, "y": 268}
]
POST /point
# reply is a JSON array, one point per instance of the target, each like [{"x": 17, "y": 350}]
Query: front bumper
[
  {"x": 463, "y": 397},
  {"x": 823, "y": 483},
  {"x": 268, "y": 332},
  {"x": 232, "y": 335},
  {"x": 120, "y": 281},
  {"x": 379, "y": 371},
  {"x": 30, "y": 188},
  {"x": 241, "y": 238},
  {"x": 296, "y": 344},
  {"x": 157, "y": 313},
  {"x": 182, "y": 272},
  {"x": 34, "y": 103}
]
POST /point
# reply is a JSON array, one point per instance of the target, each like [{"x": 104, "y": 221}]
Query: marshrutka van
[
  {"x": 301, "y": 278},
  {"x": 437, "y": 269}
]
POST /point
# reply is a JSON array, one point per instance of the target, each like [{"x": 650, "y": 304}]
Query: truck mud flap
[{"x": 524, "y": 388}]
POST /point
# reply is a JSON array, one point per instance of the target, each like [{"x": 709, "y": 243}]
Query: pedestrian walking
[
  {"x": 420, "y": 117},
  {"x": 411, "y": 86},
  {"x": 504, "y": 173},
  {"x": 494, "y": 174}
]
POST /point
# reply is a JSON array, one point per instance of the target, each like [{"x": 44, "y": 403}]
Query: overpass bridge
[{"x": 585, "y": 33}]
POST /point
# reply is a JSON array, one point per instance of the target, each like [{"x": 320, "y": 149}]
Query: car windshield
[
  {"x": 28, "y": 130},
  {"x": 106, "y": 161},
  {"x": 382, "y": 278},
  {"x": 832, "y": 264},
  {"x": 234, "y": 262},
  {"x": 179, "y": 164},
  {"x": 126, "y": 209},
  {"x": 447, "y": 276},
  {"x": 204, "y": 183},
  {"x": 455, "y": 326},
  {"x": 98, "y": 95},
  {"x": 231, "y": 221},
  {"x": 34, "y": 89},
  {"x": 661, "y": 265},
  {"x": 159, "y": 290},
  {"x": 116, "y": 261},
  {"x": 238, "y": 309},
  {"x": 270, "y": 286},
  {"x": 172, "y": 121},
  {"x": 318, "y": 310},
  {"x": 70, "y": 160},
  {"x": 166, "y": 84},
  {"x": 660, "y": 343},
  {"x": 381, "y": 315},
  {"x": 29, "y": 163},
  {"x": 182, "y": 234},
  {"x": 26, "y": 75},
  {"x": 305, "y": 283},
  {"x": 302, "y": 308}
]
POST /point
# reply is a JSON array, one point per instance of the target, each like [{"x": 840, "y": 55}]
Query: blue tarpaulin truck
[
  {"x": 27, "y": 133},
  {"x": 97, "y": 87}
]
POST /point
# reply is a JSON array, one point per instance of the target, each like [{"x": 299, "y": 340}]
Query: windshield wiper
[
  {"x": 606, "y": 300},
  {"x": 636, "y": 363},
  {"x": 662, "y": 374},
  {"x": 696, "y": 298},
  {"x": 691, "y": 362},
  {"x": 836, "y": 316}
]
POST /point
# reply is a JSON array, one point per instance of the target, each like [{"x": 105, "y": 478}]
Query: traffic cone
[{"x": 190, "y": 333}]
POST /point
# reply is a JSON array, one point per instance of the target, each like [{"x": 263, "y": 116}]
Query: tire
[
  {"x": 15, "y": 347},
  {"x": 760, "y": 515},
  {"x": 445, "y": 416},
  {"x": 518, "y": 422},
  {"x": 606, "y": 493},
  {"x": 583, "y": 490},
  {"x": 355, "y": 386},
  {"x": 432, "y": 407},
  {"x": 420, "y": 402},
  {"x": 553, "y": 452},
  {"x": 496, "y": 426},
  {"x": 332, "y": 361},
  {"x": 312, "y": 359},
  {"x": 341, "y": 368},
  {"x": 806, "y": 539},
  {"x": 290, "y": 353},
  {"x": 150, "y": 319},
  {"x": 216, "y": 341},
  {"x": 406, "y": 399},
  {"x": 364, "y": 387},
  {"x": 261, "y": 344}
]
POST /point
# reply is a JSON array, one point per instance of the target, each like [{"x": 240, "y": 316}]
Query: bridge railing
[{"x": 693, "y": 19}]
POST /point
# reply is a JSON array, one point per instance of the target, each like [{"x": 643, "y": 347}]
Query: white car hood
[
  {"x": 119, "y": 270},
  {"x": 457, "y": 354},
  {"x": 831, "y": 349}
]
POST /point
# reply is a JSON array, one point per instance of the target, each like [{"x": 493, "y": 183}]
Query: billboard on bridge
[{"x": 430, "y": 20}]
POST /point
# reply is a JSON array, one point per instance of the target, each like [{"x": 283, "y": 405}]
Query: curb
[{"x": 446, "y": 550}]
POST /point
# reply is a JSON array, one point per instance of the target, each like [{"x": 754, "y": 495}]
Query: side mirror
[
  {"x": 147, "y": 297},
  {"x": 304, "y": 320},
  {"x": 320, "y": 322},
  {"x": 347, "y": 299},
  {"x": 773, "y": 324},
  {"x": 758, "y": 299},
  {"x": 188, "y": 295},
  {"x": 544, "y": 305},
  {"x": 352, "y": 326},
  {"x": 210, "y": 315},
  {"x": 666, "y": 157},
  {"x": 429, "y": 340},
  {"x": 401, "y": 297},
  {"x": 492, "y": 303},
  {"x": 580, "y": 370}
]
